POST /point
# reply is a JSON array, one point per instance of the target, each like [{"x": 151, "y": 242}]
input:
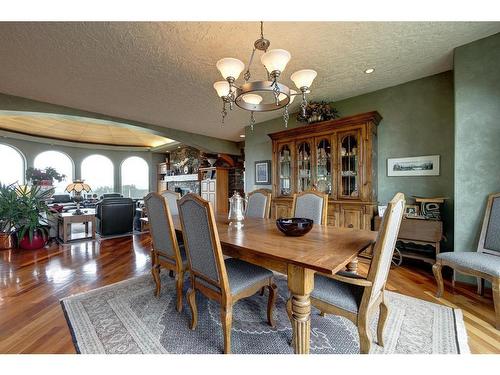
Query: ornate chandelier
[{"x": 249, "y": 95}]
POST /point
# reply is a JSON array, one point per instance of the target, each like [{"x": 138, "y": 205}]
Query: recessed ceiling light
[
  {"x": 242, "y": 135},
  {"x": 369, "y": 70}
]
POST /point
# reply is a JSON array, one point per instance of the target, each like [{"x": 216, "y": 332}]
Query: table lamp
[{"x": 76, "y": 187}]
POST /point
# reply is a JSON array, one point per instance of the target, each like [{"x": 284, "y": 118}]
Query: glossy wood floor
[{"x": 33, "y": 282}]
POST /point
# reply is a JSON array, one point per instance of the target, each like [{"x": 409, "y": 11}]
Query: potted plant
[
  {"x": 318, "y": 111},
  {"x": 31, "y": 223},
  {"x": 8, "y": 215},
  {"x": 43, "y": 177}
]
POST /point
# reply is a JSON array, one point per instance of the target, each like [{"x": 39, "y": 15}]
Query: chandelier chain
[
  {"x": 223, "y": 112},
  {"x": 286, "y": 116}
]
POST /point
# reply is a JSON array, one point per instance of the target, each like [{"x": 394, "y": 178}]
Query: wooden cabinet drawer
[
  {"x": 282, "y": 210},
  {"x": 351, "y": 216}
]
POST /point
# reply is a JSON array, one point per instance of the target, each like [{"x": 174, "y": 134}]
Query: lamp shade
[
  {"x": 230, "y": 67},
  {"x": 78, "y": 186},
  {"x": 222, "y": 88},
  {"x": 292, "y": 96},
  {"x": 303, "y": 78},
  {"x": 252, "y": 98},
  {"x": 275, "y": 59}
]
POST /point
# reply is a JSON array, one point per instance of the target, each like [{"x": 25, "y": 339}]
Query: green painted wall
[
  {"x": 418, "y": 119},
  {"x": 477, "y": 135}
]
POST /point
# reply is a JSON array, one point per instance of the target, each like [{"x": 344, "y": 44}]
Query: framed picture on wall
[
  {"x": 263, "y": 172},
  {"x": 413, "y": 166}
]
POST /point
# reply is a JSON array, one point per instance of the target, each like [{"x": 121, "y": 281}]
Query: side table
[{"x": 65, "y": 219}]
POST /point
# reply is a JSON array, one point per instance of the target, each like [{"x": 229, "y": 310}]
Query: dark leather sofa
[
  {"x": 115, "y": 216},
  {"x": 64, "y": 200}
]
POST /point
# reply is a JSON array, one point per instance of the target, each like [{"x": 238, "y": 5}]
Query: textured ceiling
[
  {"x": 80, "y": 131},
  {"x": 162, "y": 73}
]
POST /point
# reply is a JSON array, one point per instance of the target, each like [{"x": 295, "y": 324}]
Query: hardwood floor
[{"x": 33, "y": 282}]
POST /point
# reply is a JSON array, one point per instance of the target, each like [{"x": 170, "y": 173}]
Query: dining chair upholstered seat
[
  {"x": 337, "y": 293},
  {"x": 310, "y": 205},
  {"x": 241, "y": 275},
  {"x": 258, "y": 204},
  {"x": 484, "y": 264},
  {"x": 489, "y": 264},
  {"x": 225, "y": 281}
]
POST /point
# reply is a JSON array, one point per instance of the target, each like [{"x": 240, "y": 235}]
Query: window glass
[
  {"x": 12, "y": 169},
  {"x": 61, "y": 162},
  {"x": 98, "y": 172},
  {"x": 135, "y": 177}
]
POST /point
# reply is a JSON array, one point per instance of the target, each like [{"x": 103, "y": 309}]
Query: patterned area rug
[{"x": 126, "y": 318}]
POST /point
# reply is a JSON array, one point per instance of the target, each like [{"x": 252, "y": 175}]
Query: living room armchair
[{"x": 115, "y": 216}]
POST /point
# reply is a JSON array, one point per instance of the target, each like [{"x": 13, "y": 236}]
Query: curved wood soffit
[{"x": 14, "y": 105}]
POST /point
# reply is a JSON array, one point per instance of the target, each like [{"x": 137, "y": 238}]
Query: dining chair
[
  {"x": 258, "y": 204},
  {"x": 165, "y": 251},
  {"x": 225, "y": 281},
  {"x": 483, "y": 263},
  {"x": 310, "y": 205},
  {"x": 356, "y": 297},
  {"x": 171, "y": 197}
]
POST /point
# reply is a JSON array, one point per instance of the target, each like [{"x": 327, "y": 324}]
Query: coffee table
[{"x": 65, "y": 219}]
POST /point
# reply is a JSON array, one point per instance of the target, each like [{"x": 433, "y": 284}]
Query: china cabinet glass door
[
  {"x": 324, "y": 166},
  {"x": 349, "y": 165},
  {"x": 285, "y": 170},
  {"x": 304, "y": 162}
]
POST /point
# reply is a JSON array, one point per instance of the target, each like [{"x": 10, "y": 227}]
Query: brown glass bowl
[{"x": 294, "y": 226}]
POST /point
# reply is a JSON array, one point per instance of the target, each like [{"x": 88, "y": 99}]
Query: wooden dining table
[{"x": 324, "y": 249}]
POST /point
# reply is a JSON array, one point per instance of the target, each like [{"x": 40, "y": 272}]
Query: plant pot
[
  {"x": 39, "y": 241},
  {"x": 6, "y": 241}
]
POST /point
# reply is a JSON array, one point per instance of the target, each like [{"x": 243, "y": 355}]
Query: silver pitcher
[{"x": 236, "y": 210}]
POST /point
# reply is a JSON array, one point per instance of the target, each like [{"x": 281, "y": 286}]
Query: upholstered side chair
[
  {"x": 171, "y": 197},
  {"x": 165, "y": 251},
  {"x": 225, "y": 281},
  {"x": 483, "y": 263},
  {"x": 356, "y": 297},
  {"x": 310, "y": 205},
  {"x": 258, "y": 204}
]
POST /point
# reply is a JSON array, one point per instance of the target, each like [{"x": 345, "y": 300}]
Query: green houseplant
[
  {"x": 24, "y": 211},
  {"x": 8, "y": 215},
  {"x": 31, "y": 222},
  {"x": 44, "y": 177}
]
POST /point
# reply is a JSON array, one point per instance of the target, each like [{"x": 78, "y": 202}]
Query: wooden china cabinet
[{"x": 337, "y": 157}]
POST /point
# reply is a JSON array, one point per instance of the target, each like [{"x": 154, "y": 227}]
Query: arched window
[
  {"x": 12, "y": 169},
  {"x": 61, "y": 162},
  {"x": 135, "y": 177},
  {"x": 98, "y": 172}
]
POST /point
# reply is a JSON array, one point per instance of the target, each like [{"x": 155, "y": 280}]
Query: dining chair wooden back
[
  {"x": 225, "y": 281},
  {"x": 356, "y": 297},
  {"x": 258, "y": 204},
  {"x": 165, "y": 248},
  {"x": 384, "y": 246},
  {"x": 171, "y": 197},
  {"x": 311, "y": 205}
]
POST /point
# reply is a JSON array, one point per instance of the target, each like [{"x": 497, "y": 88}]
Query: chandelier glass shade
[{"x": 261, "y": 95}]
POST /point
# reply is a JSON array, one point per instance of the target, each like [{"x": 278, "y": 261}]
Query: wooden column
[{"x": 301, "y": 284}]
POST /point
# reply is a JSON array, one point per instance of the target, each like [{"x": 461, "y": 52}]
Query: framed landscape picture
[
  {"x": 413, "y": 166},
  {"x": 263, "y": 172}
]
